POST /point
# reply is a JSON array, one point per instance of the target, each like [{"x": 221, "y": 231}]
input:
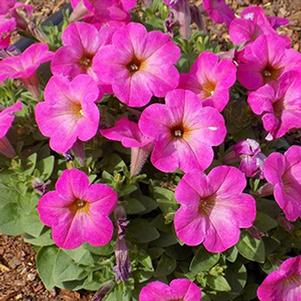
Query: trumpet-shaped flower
[
  {"x": 178, "y": 290},
  {"x": 218, "y": 11},
  {"x": 252, "y": 23},
  {"x": 77, "y": 211},
  {"x": 283, "y": 284},
  {"x": 265, "y": 60},
  {"x": 283, "y": 172},
  {"x": 183, "y": 132},
  {"x": 7, "y": 26},
  {"x": 213, "y": 208},
  {"x": 138, "y": 64},
  {"x": 69, "y": 111},
  {"x": 7, "y": 117},
  {"x": 81, "y": 41},
  {"x": 278, "y": 104},
  {"x": 211, "y": 79}
]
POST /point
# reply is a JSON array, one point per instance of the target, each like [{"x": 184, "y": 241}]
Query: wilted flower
[
  {"x": 283, "y": 284},
  {"x": 218, "y": 11},
  {"x": 282, "y": 171},
  {"x": 138, "y": 64},
  {"x": 252, "y": 23},
  {"x": 211, "y": 79},
  {"x": 7, "y": 117},
  {"x": 279, "y": 104},
  {"x": 265, "y": 60},
  {"x": 183, "y": 131},
  {"x": 77, "y": 211},
  {"x": 69, "y": 111},
  {"x": 25, "y": 65},
  {"x": 248, "y": 154},
  {"x": 81, "y": 41},
  {"x": 7, "y": 26},
  {"x": 130, "y": 136},
  {"x": 213, "y": 208},
  {"x": 178, "y": 290}
]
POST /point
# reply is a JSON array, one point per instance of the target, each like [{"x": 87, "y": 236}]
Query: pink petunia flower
[
  {"x": 252, "y": 23},
  {"x": 211, "y": 79},
  {"x": 99, "y": 12},
  {"x": 265, "y": 60},
  {"x": 248, "y": 154},
  {"x": 138, "y": 64},
  {"x": 283, "y": 172},
  {"x": 278, "y": 104},
  {"x": 213, "y": 208},
  {"x": 218, "y": 11},
  {"x": 81, "y": 41},
  {"x": 7, "y": 26},
  {"x": 130, "y": 136},
  {"x": 77, "y": 211},
  {"x": 69, "y": 111},
  {"x": 183, "y": 131},
  {"x": 178, "y": 290},
  {"x": 25, "y": 65},
  {"x": 283, "y": 284},
  {"x": 7, "y": 117},
  {"x": 6, "y": 5}
]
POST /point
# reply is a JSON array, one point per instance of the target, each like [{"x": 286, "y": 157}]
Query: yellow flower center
[
  {"x": 206, "y": 205},
  {"x": 208, "y": 88},
  {"x": 79, "y": 206},
  {"x": 270, "y": 73}
]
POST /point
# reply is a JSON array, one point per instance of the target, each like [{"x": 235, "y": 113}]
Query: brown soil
[{"x": 19, "y": 279}]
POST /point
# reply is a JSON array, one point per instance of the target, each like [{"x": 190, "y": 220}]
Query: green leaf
[
  {"x": 251, "y": 248},
  {"x": 231, "y": 254},
  {"x": 81, "y": 256},
  {"x": 46, "y": 259},
  {"x": 264, "y": 222},
  {"x": 45, "y": 166},
  {"x": 166, "y": 266},
  {"x": 219, "y": 283},
  {"x": 30, "y": 164},
  {"x": 203, "y": 261},
  {"x": 43, "y": 240},
  {"x": 133, "y": 206},
  {"x": 141, "y": 231},
  {"x": 9, "y": 220}
]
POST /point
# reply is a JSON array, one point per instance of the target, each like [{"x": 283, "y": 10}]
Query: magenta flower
[
  {"x": 178, "y": 290},
  {"x": 211, "y": 79},
  {"x": 7, "y": 26},
  {"x": 69, "y": 111},
  {"x": 6, "y": 5},
  {"x": 183, "y": 131},
  {"x": 248, "y": 154},
  {"x": 283, "y": 284},
  {"x": 81, "y": 41},
  {"x": 218, "y": 11},
  {"x": 7, "y": 117},
  {"x": 265, "y": 60},
  {"x": 138, "y": 64},
  {"x": 25, "y": 65},
  {"x": 278, "y": 104},
  {"x": 130, "y": 136},
  {"x": 213, "y": 208},
  {"x": 252, "y": 23},
  {"x": 283, "y": 174},
  {"x": 77, "y": 211}
]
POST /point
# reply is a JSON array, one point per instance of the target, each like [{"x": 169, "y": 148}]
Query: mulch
[{"x": 19, "y": 279}]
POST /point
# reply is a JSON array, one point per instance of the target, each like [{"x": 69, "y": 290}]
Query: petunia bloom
[
  {"x": 179, "y": 289},
  {"x": 78, "y": 211},
  {"x": 6, "y": 5},
  {"x": 248, "y": 154},
  {"x": 138, "y": 64},
  {"x": 283, "y": 173},
  {"x": 7, "y": 117},
  {"x": 218, "y": 11},
  {"x": 278, "y": 104},
  {"x": 183, "y": 132},
  {"x": 265, "y": 60},
  {"x": 283, "y": 284},
  {"x": 211, "y": 79},
  {"x": 252, "y": 23},
  {"x": 7, "y": 26},
  {"x": 81, "y": 41},
  {"x": 25, "y": 65},
  {"x": 130, "y": 136},
  {"x": 213, "y": 208},
  {"x": 69, "y": 111}
]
